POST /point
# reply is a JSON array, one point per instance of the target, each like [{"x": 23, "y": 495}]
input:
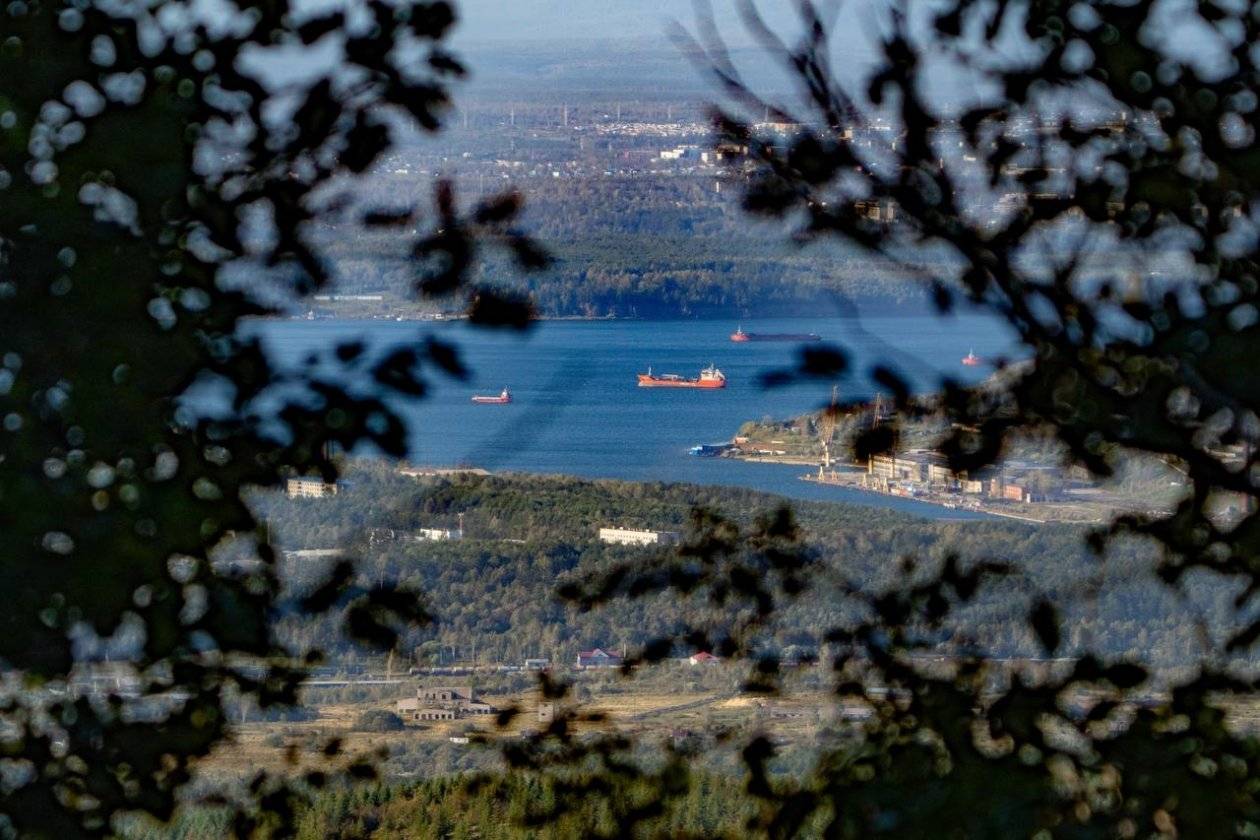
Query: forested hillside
[
  {"x": 493, "y": 593},
  {"x": 647, "y": 248}
]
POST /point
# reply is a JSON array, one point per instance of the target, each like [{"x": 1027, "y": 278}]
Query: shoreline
[
  {"x": 602, "y": 428},
  {"x": 875, "y": 311},
  {"x": 988, "y": 510},
  {"x": 848, "y": 477},
  {"x": 412, "y": 319},
  {"x": 788, "y": 460}
]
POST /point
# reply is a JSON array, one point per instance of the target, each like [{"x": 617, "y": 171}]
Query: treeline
[
  {"x": 646, "y": 247},
  {"x": 493, "y": 593},
  {"x": 502, "y": 808},
  {"x": 498, "y": 808},
  {"x": 659, "y": 277},
  {"x": 636, "y": 276}
]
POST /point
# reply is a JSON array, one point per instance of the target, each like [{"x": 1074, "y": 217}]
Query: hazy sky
[
  {"x": 621, "y": 44},
  {"x": 483, "y": 20}
]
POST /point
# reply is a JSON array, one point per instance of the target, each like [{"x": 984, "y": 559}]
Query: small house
[{"x": 597, "y": 658}]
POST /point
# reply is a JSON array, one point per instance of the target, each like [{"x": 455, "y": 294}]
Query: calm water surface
[{"x": 576, "y": 409}]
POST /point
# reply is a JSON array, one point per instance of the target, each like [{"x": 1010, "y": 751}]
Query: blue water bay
[{"x": 576, "y": 408}]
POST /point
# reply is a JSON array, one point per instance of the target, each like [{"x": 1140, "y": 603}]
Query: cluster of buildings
[
  {"x": 445, "y": 702},
  {"x": 694, "y": 152},
  {"x": 924, "y": 471},
  {"x": 600, "y": 658}
]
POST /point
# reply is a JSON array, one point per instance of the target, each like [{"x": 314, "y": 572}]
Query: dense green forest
[
  {"x": 493, "y": 593},
  {"x": 448, "y": 808},
  {"x": 636, "y": 275}
]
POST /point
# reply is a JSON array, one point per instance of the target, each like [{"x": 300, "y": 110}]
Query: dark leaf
[
  {"x": 501, "y": 309},
  {"x": 1045, "y": 621}
]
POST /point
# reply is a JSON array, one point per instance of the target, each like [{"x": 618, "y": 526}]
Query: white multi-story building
[
  {"x": 309, "y": 488},
  {"x": 630, "y": 536}
]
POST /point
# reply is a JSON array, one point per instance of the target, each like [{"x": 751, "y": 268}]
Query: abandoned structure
[{"x": 442, "y": 703}]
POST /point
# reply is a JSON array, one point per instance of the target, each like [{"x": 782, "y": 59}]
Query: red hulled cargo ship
[
  {"x": 710, "y": 377},
  {"x": 740, "y": 336}
]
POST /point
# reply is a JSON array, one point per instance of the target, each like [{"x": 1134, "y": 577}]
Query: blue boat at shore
[{"x": 709, "y": 450}]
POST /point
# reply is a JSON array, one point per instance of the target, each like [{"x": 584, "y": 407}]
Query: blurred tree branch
[
  {"x": 146, "y": 150},
  {"x": 1093, "y": 182}
]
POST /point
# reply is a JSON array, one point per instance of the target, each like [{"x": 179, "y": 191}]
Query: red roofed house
[
  {"x": 703, "y": 658},
  {"x": 597, "y": 659}
]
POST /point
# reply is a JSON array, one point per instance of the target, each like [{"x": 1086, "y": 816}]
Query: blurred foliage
[
  {"x": 151, "y": 154},
  {"x": 1088, "y": 172}
]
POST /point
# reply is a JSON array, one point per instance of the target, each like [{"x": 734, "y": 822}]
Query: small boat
[
  {"x": 709, "y": 450},
  {"x": 504, "y": 397},
  {"x": 972, "y": 360},
  {"x": 710, "y": 377},
  {"x": 740, "y": 336}
]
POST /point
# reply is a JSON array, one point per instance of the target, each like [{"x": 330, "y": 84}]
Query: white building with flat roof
[
  {"x": 309, "y": 488},
  {"x": 439, "y": 534},
  {"x": 631, "y": 536}
]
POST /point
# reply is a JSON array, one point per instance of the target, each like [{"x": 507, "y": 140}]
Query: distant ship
[
  {"x": 710, "y": 450},
  {"x": 741, "y": 336},
  {"x": 972, "y": 360},
  {"x": 710, "y": 377},
  {"x": 504, "y": 397}
]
